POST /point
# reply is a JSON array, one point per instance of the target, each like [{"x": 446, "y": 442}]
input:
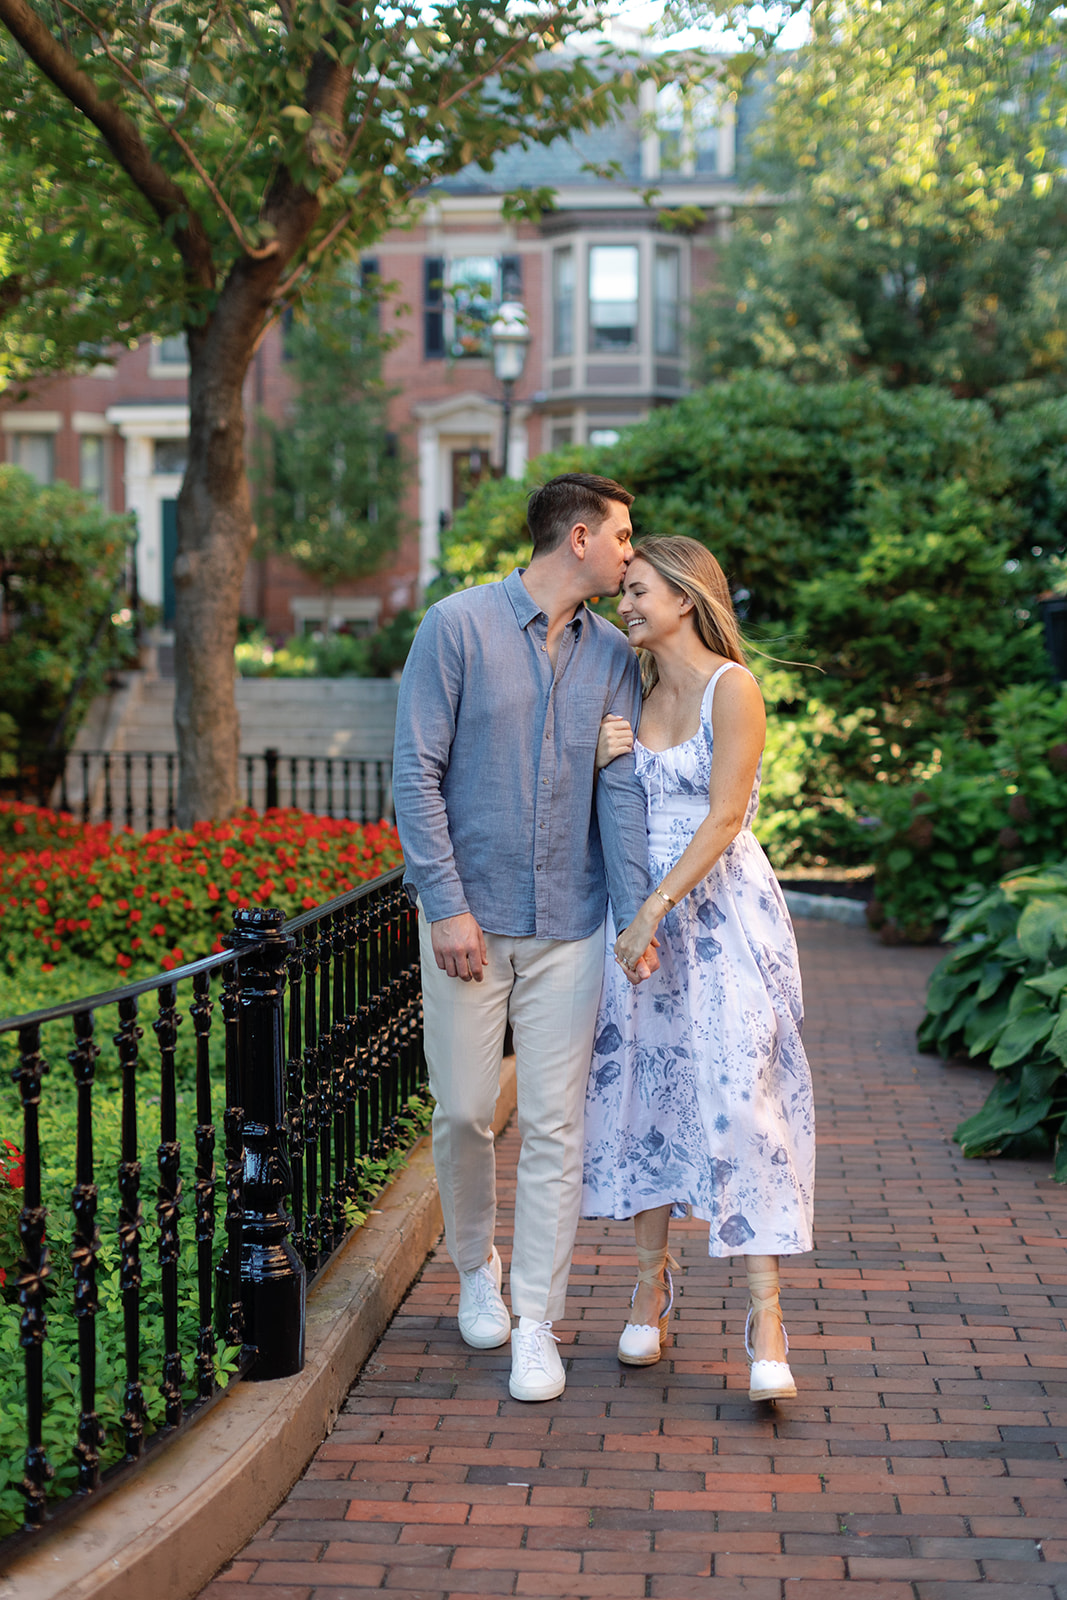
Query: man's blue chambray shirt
[{"x": 500, "y": 809}]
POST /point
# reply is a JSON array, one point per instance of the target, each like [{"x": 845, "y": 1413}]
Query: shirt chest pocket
[{"x": 581, "y": 720}]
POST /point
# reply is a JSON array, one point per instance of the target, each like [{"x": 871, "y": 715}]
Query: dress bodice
[{"x": 676, "y": 781}]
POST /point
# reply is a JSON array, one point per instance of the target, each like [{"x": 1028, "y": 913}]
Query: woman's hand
[
  {"x": 636, "y": 946},
  {"x": 616, "y": 739}
]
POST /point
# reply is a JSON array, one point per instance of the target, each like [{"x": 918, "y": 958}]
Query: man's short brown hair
[{"x": 554, "y": 508}]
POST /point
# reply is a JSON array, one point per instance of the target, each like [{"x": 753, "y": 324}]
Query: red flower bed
[{"x": 158, "y": 899}]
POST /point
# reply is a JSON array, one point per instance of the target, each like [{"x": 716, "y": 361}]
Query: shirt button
[
  {"x": 544, "y": 780},
  {"x": 540, "y": 824},
  {"x": 539, "y": 866}
]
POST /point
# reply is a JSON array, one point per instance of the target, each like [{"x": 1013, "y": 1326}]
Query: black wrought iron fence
[
  {"x": 139, "y": 788},
  {"x": 128, "y": 1327}
]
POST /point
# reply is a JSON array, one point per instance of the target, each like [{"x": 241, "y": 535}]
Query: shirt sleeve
[
  {"x": 620, "y": 806},
  {"x": 427, "y": 707}
]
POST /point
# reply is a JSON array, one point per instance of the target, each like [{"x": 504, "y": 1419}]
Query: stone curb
[
  {"x": 826, "y": 908},
  {"x": 196, "y": 1504}
]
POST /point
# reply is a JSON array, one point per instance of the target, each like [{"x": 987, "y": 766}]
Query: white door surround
[
  {"x": 460, "y": 422},
  {"x": 146, "y": 489}
]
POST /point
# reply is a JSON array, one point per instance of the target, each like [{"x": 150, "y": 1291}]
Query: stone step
[{"x": 298, "y": 717}]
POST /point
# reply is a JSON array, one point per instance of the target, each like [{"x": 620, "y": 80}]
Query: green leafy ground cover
[{"x": 1000, "y": 996}]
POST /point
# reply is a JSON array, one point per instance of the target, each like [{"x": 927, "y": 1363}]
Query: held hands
[
  {"x": 459, "y": 947},
  {"x": 616, "y": 738},
  {"x": 636, "y": 946}
]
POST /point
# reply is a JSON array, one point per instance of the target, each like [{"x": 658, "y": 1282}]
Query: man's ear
[{"x": 579, "y": 539}]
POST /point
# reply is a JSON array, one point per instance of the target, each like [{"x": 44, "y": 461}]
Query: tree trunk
[{"x": 215, "y": 535}]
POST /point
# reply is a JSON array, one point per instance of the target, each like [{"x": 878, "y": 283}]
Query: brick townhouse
[{"x": 604, "y": 284}]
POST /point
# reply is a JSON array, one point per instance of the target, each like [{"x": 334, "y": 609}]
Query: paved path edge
[{"x": 198, "y": 1503}]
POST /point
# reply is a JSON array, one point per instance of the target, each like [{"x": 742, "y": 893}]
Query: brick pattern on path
[{"x": 924, "y": 1458}]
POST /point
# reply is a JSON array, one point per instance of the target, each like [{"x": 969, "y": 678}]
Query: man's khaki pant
[{"x": 551, "y": 989}]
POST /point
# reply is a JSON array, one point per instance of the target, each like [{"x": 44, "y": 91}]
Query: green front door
[{"x": 169, "y": 512}]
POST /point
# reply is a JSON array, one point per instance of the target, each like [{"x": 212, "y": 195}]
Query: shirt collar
[{"x": 525, "y": 606}]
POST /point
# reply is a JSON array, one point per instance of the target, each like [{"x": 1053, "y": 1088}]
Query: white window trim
[
  {"x": 31, "y": 421},
  {"x": 164, "y": 369}
]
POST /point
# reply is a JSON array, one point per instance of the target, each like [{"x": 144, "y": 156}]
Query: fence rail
[
  {"x": 319, "y": 1054},
  {"x": 139, "y": 788}
]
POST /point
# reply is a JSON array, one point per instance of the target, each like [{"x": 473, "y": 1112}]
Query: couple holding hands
[{"x": 540, "y": 772}]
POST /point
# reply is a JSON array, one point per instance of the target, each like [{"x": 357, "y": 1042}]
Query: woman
[{"x": 699, "y": 1097}]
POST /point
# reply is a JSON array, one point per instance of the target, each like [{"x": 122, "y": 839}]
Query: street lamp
[{"x": 510, "y": 340}]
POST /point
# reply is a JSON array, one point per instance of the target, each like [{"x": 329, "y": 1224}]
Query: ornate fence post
[{"x": 273, "y": 1280}]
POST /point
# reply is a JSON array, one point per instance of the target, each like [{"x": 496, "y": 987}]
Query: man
[{"x": 511, "y": 842}]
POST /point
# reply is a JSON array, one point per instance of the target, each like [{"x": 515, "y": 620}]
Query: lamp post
[{"x": 510, "y": 340}]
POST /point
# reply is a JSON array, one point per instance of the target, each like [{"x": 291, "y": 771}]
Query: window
[
  {"x": 562, "y": 436},
  {"x": 170, "y": 455},
  {"x": 173, "y": 351},
  {"x": 687, "y": 122},
  {"x": 92, "y": 465},
  {"x": 665, "y": 308},
  {"x": 460, "y": 300},
  {"x": 603, "y": 437},
  {"x": 474, "y": 289},
  {"x": 35, "y": 453},
  {"x": 563, "y": 303},
  {"x": 613, "y": 297}
]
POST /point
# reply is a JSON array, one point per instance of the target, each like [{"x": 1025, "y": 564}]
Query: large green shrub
[
  {"x": 1001, "y": 996},
  {"x": 62, "y": 561},
  {"x": 884, "y": 548},
  {"x": 985, "y": 810}
]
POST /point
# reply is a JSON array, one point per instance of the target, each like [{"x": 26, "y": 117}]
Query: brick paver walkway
[{"x": 922, "y": 1460}]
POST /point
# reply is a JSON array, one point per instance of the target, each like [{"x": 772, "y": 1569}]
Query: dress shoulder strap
[{"x": 709, "y": 692}]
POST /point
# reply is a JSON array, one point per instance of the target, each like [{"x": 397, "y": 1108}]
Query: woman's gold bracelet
[{"x": 667, "y": 901}]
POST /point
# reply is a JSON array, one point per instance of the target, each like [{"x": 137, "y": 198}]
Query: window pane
[
  {"x": 613, "y": 296},
  {"x": 474, "y": 284},
  {"x": 670, "y": 125},
  {"x": 603, "y": 436},
  {"x": 666, "y": 306},
  {"x": 91, "y": 465},
  {"x": 173, "y": 351},
  {"x": 562, "y": 436},
  {"x": 35, "y": 453},
  {"x": 563, "y": 303},
  {"x": 170, "y": 455}
]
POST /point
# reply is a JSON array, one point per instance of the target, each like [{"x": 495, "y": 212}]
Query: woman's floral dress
[{"x": 700, "y": 1094}]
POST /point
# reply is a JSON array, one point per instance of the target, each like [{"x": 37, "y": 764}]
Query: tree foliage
[
  {"x": 245, "y": 148},
  {"x": 921, "y": 153}
]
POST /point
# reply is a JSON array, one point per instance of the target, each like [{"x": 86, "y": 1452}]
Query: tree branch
[
  {"x": 258, "y": 253},
  {"x": 119, "y": 132}
]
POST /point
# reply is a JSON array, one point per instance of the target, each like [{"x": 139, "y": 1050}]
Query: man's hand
[{"x": 459, "y": 947}]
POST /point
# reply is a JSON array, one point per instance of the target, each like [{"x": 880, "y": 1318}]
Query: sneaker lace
[
  {"x": 482, "y": 1284},
  {"x": 532, "y": 1345}
]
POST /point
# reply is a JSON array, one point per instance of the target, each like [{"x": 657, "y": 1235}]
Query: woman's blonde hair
[{"x": 691, "y": 569}]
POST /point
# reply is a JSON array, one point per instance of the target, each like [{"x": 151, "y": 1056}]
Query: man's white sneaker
[
  {"x": 536, "y": 1370},
  {"x": 484, "y": 1321}
]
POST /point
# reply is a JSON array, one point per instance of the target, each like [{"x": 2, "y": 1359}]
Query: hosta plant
[{"x": 1001, "y": 996}]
